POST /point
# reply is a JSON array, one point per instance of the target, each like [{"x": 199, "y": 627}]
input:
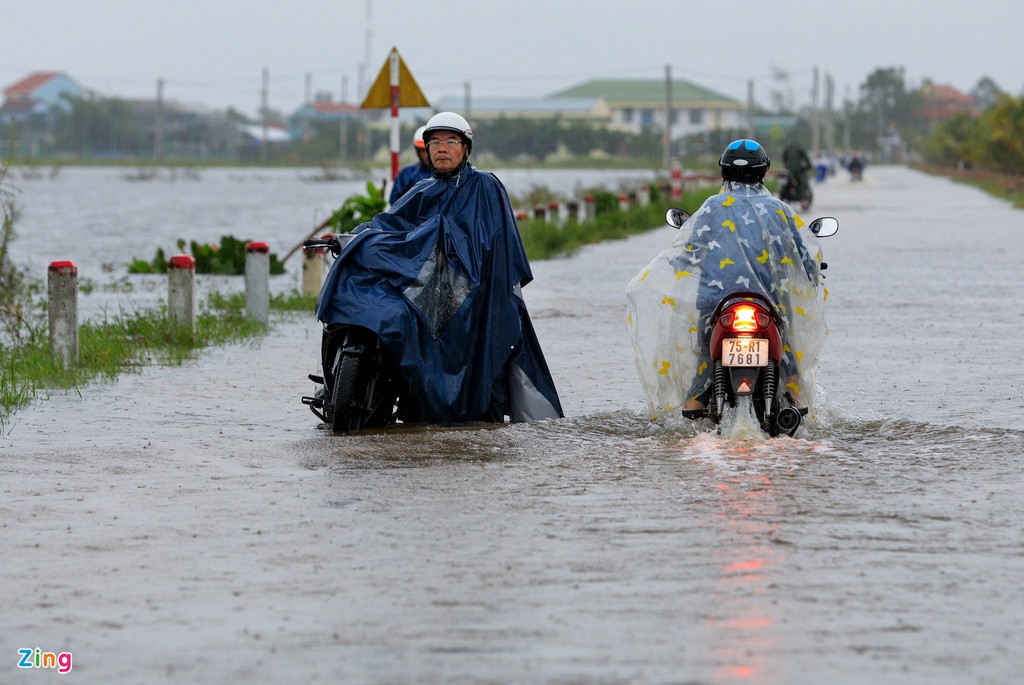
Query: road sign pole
[
  {"x": 394, "y": 115},
  {"x": 385, "y": 92}
]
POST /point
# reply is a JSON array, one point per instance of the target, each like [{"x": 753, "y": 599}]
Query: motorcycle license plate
[{"x": 744, "y": 352}]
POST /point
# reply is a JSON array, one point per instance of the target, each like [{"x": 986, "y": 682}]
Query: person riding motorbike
[
  {"x": 411, "y": 174},
  {"x": 741, "y": 240},
  {"x": 439, "y": 279},
  {"x": 799, "y": 165}
]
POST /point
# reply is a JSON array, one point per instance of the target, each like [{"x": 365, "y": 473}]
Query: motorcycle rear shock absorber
[
  {"x": 769, "y": 388},
  {"x": 721, "y": 387}
]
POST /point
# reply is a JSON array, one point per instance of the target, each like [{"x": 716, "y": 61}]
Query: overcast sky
[{"x": 213, "y": 52}]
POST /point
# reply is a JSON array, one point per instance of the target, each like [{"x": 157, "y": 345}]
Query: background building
[{"x": 638, "y": 104}]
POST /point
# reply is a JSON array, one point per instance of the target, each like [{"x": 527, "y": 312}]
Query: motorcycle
[
  {"x": 790, "y": 190},
  {"x": 366, "y": 383},
  {"x": 748, "y": 341},
  {"x": 360, "y": 386},
  {"x": 856, "y": 168}
]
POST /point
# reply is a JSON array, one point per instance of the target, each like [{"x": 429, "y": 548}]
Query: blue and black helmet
[{"x": 744, "y": 160}]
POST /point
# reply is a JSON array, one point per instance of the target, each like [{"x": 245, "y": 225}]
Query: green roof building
[{"x": 635, "y": 104}]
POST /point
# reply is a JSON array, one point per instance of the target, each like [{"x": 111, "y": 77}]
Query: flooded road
[{"x": 196, "y": 525}]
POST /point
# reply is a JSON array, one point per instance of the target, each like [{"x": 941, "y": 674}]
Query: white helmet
[
  {"x": 450, "y": 121},
  {"x": 417, "y": 138}
]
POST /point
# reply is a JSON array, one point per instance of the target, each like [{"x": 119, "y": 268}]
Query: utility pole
[
  {"x": 309, "y": 104},
  {"x": 364, "y": 80},
  {"x": 846, "y": 120},
  {"x": 815, "y": 133},
  {"x": 343, "y": 125},
  {"x": 469, "y": 101},
  {"x": 750, "y": 109},
  {"x": 158, "y": 124},
  {"x": 830, "y": 128},
  {"x": 264, "y": 152},
  {"x": 666, "y": 160},
  {"x": 360, "y": 91}
]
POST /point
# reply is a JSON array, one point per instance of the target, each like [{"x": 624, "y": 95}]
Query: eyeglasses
[{"x": 450, "y": 143}]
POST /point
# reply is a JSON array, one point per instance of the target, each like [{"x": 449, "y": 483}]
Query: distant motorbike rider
[
  {"x": 799, "y": 165},
  {"x": 411, "y": 174},
  {"x": 438, "y": 277},
  {"x": 740, "y": 240}
]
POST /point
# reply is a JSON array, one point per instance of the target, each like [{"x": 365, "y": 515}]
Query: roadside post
[
  {"x": 181, "y": 291},
  {"x": 677, "y": 181},
  {"x": 314, "y": 263},
  {"x": 62, "y": 290},
  {"x": 573, "y": 211},
  {"x": 257, "y": 281}
]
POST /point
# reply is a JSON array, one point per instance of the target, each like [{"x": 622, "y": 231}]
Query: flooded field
[{"x": 196, "y": 524}]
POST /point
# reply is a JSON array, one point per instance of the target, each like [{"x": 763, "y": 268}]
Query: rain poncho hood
[
  {"x": 740, "y": 240},
  {"x": 438, "y": 277}
]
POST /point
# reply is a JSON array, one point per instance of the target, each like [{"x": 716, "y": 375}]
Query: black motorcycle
[
  {"x": 360, "y": 386},
  {"x": 792, "y": 191}
]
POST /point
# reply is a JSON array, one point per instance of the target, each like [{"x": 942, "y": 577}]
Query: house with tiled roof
[
  {"x": 320, "y": 111},
  {"x": 944, "y": 102},
  {"x": 34, "y": 95},
  {"x": 637, "y": 104}
]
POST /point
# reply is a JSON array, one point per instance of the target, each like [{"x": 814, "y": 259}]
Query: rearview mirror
[
  {"x": 676, "y": 217},
  {"x": 824, "y": 226}
]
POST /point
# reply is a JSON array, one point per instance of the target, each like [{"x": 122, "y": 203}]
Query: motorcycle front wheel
[{"x": 362, "y": 395}]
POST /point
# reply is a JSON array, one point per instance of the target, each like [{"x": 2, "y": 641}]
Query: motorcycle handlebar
[{"x": 335, "y": 242}]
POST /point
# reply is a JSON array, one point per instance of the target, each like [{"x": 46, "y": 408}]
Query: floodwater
[{"x": 195, "y": 524}]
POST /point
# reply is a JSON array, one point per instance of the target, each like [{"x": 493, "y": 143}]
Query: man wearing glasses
[{"x": 439, "y": 278}]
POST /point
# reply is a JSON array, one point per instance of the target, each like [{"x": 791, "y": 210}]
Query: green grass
[
  {"x": 546, "y": 240},
  {"x": 116, "y": 344}
]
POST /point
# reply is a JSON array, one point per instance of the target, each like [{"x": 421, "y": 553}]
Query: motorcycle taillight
[{"x": 745, "y": 318}]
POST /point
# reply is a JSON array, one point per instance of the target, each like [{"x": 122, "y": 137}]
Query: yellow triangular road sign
[{"x": 409, "y": 93}]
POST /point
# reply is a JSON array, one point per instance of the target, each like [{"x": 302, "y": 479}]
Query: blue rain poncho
[
  {"x": 438, "y": 278},
  {"x": 740, "y": 240},
  {"x": 407, "y": 177}
]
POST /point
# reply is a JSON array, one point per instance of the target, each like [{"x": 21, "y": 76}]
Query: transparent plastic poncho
[{"x": 740, "y": 240}]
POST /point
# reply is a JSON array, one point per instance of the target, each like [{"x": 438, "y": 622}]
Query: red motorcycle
[{"x": 747, "y": 347}]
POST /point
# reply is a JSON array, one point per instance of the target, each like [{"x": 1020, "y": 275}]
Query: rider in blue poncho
[{"x": 438, "y": 277}]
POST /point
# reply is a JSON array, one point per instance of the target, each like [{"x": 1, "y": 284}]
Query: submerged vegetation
[{"x": 226, "y": 259}]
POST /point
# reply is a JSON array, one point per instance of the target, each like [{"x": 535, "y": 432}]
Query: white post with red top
[
  {"x": 676, "y": 181},
  {"x": 62, "y": 289},
  {"x": 395, "y": 141},
  {"x": 257, "y": 281},
  {"x": 314, "y": 265},
  {"x": 181, "y": 291}
]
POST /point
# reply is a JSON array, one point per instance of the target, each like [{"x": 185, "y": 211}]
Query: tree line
[{"x": 886, "y": 108}]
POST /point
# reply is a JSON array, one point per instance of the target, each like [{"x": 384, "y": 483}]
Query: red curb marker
[
  {"x": 182, "y": 261},
  {"x": 64, "y": 267}
]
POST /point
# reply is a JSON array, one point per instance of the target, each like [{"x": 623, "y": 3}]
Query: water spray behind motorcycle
[{"x": 746, "y": 349}]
